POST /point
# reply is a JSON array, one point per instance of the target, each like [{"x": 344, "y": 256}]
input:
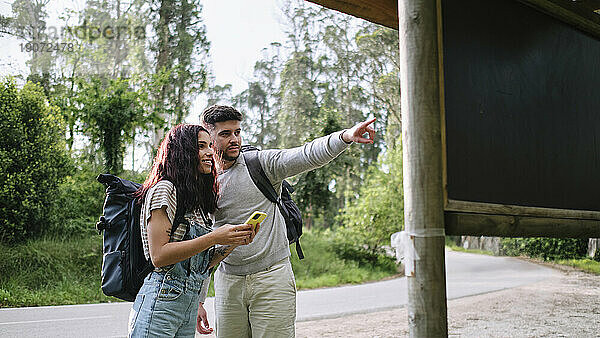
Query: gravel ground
[{"x": 564, "y": 306}]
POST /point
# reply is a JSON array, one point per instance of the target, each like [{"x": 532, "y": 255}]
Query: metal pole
[{"x": 420, "y": 83}]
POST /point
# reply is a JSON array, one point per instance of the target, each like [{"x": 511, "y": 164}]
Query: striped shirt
[{"x": 164, "y": 194}]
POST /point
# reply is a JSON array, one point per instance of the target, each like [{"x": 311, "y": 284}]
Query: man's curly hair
[{"x": 218, "y": 113}]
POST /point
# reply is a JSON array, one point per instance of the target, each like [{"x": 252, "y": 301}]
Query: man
[{"x": 255, "y": 290}]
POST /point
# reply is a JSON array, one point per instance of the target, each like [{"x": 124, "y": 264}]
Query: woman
[{"x": 182, "y": 182}]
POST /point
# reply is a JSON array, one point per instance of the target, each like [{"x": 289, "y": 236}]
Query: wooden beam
[
  {"x": 579, "y": 14},
  {"x": 462, "y": 223},
  {"x": 516, "y": 210},
  {"x": 382, "y": 12},
  {"x": 420, "y": 80}
]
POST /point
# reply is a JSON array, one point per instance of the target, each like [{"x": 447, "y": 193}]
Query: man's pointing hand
[{"x": 357, "y": 133}]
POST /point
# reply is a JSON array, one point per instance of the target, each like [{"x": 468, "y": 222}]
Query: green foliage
[
  {"x": 110, "y": 111},
  {"x": 328, "y": 63},
  {"x": 378, "y": 211},
  {"x": 33, "y": 161},
  {"x": 298, "y": 99},
  {"x": 79, "y": 203},
  {"x": 312, "y": 192},
  {"x": 546, "y": 248},
  {"x": 181, "y": 50}
]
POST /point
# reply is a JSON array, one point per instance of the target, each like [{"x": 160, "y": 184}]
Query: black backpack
[
  {"x": 289, "y": 209},
  {"x": 124, "y": 265}
]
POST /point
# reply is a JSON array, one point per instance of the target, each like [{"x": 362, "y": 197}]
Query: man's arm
[{"x": 280, "y": 164}]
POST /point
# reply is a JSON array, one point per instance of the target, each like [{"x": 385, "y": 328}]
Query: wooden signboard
[{"x": 522, "y": 118}]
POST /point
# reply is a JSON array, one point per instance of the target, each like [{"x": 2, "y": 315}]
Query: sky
[
  {"x": 237, "y": 29},
  {"x": 237, "y": 36}
]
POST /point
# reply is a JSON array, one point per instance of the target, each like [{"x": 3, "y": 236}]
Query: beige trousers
[{"x": 259, "y": 305}]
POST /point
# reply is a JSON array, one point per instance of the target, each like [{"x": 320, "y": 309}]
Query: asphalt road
[{"x": 466, "y": 275}]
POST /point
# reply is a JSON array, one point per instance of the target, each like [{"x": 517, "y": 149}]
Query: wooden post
[{"x": 420, "y": 83}]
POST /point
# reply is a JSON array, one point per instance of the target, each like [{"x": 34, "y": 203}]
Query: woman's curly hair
[{"x": 178, "y": 161}]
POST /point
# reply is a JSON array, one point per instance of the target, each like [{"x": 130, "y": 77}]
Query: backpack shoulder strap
[
  {"x": 179, "y": 217},
  {"x": 259, "y": 177},
  {"x": 264, "y": 185}
]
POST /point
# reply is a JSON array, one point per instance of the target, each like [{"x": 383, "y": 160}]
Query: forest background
[{"x": 107, "y": 87}]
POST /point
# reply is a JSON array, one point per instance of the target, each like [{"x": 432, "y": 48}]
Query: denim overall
[{"x": 167, "y": 303}]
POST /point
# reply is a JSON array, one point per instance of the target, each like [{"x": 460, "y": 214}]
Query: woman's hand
[
  {"x": 256, "y": 228},
  {"x": 222, "y": 251},
  {"x": 230, "y": 234}
]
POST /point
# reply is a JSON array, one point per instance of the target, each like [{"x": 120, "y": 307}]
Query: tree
[
  {"x": 299, "y": 105},
  {"x": 260, "y": 102},
  {"x": 218, "y": 94},
  {"x": 329, "y": 65},
  {"x": 378, "y": 211},
  {"x": 181, "y": 49},
  {"x": 33, "y": 160},
  {"x": 297, "y": 94},
  {"x": 29, "y": 24},
  {"x": 313, "y": 189},
  {"x": 380, "y": 45},
  {"x": 110, "y": 110}
]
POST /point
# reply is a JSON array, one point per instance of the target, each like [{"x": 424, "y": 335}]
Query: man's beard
[{"x": 225, "y": 157}]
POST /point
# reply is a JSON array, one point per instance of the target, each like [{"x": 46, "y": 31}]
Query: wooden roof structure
[
  {"x": 584, "y": 14},
  {"x": 382, "y": 12}
]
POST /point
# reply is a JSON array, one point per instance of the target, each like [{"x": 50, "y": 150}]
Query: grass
[
  {"x": 51, "y": 271},
  {"x": 587, "y": 265},
  {"x": 322, "y": 267}
]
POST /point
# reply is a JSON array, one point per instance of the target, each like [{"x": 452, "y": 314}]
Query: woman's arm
[
  {"x": 222, "y": 251},
  {"x": 163, "y": 252}
]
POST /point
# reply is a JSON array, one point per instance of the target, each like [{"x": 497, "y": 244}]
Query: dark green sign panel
[{"x": 522, "y": 107}]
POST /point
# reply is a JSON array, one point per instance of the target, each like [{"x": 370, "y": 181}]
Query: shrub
[
  {"x": 33, "y": 161},
  {"x": 79, "y": 202},
  {"x": 546, "y": 248},
  {"x": 377, "y": 213}
]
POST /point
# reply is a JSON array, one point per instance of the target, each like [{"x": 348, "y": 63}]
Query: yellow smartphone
[{"x": 256, "y": 218}]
